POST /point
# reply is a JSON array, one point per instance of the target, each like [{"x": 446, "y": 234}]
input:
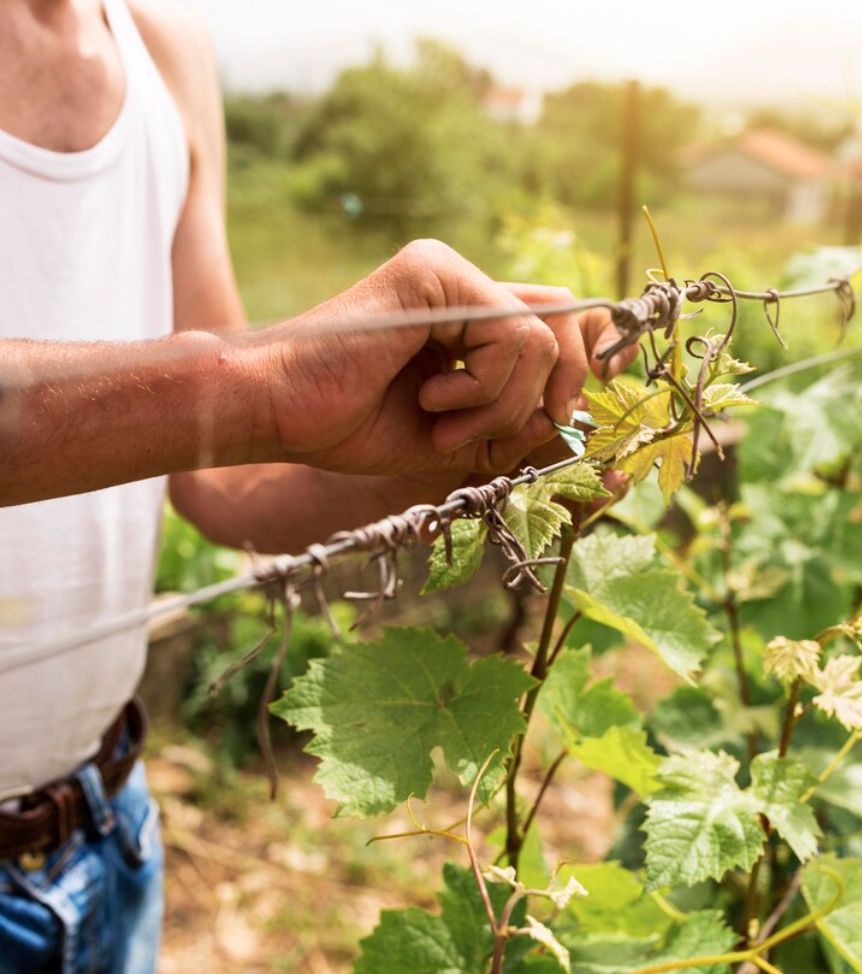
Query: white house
[{"x": 765, "y": 164}]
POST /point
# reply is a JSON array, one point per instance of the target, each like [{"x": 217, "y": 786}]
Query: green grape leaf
[
  {"x": 579, "y": 482},
  {"x": 534, "y": 516},
  {"x": 689, "y": 718},
  {"x": 468, "y": 548},
  {"x": 779, "y": 783},
  {"x": 701, "y": 824},
  {"x": 377, "y": 709},
  {"x": 456, "y": 941},
  {"x": 578, "y": 711},
  {"x": 615, "y": 582},
  {"x": 602, "y": 707},
  {"x": 703, "y": 934},
  {"x": 623, "y": 754},
  {"x": 817, "y": 428},
  {"x": 615, "y": 903},
  {"x": 535, "y": 519},
  {"x": 842, "y": 927},
  {"x": 599, "y": 724}
]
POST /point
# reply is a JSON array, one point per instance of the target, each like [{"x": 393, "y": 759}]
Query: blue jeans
[{"x": 95, "y": 907}]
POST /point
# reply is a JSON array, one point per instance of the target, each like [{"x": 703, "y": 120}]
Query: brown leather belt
[{"x": 48, "y": 817}]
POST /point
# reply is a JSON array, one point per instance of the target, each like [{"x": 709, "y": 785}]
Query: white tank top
[{"x": 85, "y": 255}]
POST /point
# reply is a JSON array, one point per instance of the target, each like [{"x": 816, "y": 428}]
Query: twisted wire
[{"x": 658, "y": 308}]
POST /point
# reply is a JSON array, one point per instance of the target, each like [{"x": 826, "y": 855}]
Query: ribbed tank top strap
[{"x": 147, "y": 86}]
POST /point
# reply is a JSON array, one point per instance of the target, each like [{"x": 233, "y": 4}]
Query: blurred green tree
[
  {"x": 579, "y": 136},
  {"x": 405, "y": 150}
]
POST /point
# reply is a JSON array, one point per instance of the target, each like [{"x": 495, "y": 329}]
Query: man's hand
[{"x": 393, "y": 401}]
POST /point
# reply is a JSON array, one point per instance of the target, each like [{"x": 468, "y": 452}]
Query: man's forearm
[{"x": 78, "y": 417}]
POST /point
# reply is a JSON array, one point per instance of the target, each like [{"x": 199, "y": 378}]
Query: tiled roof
[{"x": 780, "y": 152}]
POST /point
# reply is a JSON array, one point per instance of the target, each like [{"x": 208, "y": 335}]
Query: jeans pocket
[
  {"x": 138, "y": 836},
  {"x": 29, "y": 934}
]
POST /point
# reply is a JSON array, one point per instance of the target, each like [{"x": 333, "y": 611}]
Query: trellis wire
[
  {"x": 658, "y": 307},
  {"x": 282, "y": 566}
]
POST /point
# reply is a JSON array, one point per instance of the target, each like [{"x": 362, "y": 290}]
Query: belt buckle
[{"x": 31, "y": 862}]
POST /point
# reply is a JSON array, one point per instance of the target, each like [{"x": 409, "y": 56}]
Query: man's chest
[{"x": 60, "y": 88}]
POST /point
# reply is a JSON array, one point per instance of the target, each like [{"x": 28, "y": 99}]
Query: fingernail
[{"x": 573, "y": 408}]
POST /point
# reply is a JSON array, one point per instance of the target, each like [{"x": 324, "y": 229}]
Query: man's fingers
[
  {"x": 490, "y": 351},
  {"x": 570, "y": 372},
  {"x": 508, "y": 413},
  {"x": 600, "y": 333},
  {"x": 502, "y": 456}
]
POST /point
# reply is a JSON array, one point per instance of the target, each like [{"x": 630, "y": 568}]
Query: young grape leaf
[
  {"x": 725, "y": 395},
  {"x": 843, "y": 926},
  {"x": 726, "y": 364},
  {"x": 841, "y": 690},
  {"x": 468, "y": 547},
  {"x": 534, "y": 516},
  {"x": 535, "y": 520},
  {"x": 580, "y": 482},
  {"x": 455, "y": 942},
  {"x": 377, "y": 709},
  {"x": 614, "y": 581},
  {"x": 626, "y": 419},
  {"x": 673, "y": 456},
  {"x": 779, "y": 783},
  {"x": 792, "y": 659},
  {"x": 701, "y": 824},
  {"x": 546, "y": 937},
  {"x": 615, "y": 903},
  {"x": 629, "y": 421}
]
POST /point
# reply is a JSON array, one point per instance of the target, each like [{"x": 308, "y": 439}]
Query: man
[{"x": 123, "y": 358}]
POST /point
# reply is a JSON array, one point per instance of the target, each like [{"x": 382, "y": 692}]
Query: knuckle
[
  {"x": 562, "y": 294},
  {"x": 545, "y": 343},
  {"x": 425, "y": 251},
  {"x": 518, "y": 334}
]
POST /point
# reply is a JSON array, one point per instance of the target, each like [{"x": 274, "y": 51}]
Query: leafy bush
[{"x": 738, "y": 804}]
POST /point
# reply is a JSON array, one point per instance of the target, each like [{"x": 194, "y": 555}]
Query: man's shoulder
[{"x": 180, "y": 45}]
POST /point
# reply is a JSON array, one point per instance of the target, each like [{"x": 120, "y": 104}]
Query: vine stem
[
  {"x": 503, "y": 930},
  {"x": 789, "y": 717},
  {"x": 546, "y": 781},
  {"x": 471, "y": 851},
  {"x": 514, "y": 836},
  {"x": 731, "y": 611},
  {"x": 561, "y": 639},
  {"x": 832, "y": 767}
]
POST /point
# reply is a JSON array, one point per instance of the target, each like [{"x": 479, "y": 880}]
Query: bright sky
[{"x": 727, "y": 50}]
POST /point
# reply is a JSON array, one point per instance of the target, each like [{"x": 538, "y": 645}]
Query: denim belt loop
[{"x": 101, "y": 813}]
